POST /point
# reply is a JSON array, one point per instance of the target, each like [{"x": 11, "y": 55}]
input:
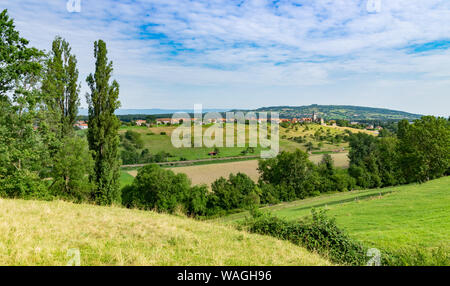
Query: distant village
[{"x": 313, "y": 118}]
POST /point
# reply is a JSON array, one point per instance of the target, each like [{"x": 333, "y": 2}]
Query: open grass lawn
[
  {"x": 42, "y": 233},
  {"x": 404, "y": 217},
  {"x": 125, "y": 178}
]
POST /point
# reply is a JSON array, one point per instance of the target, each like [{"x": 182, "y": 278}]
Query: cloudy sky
[{"x": 246, "y": 54}]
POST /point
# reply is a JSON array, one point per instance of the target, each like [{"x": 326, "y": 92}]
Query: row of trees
[
  {"x": 41, "y": 156},
  {"x": 420, "y": 152}
]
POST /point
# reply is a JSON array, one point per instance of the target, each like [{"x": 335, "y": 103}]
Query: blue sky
[{"x": 248, "y": 54}]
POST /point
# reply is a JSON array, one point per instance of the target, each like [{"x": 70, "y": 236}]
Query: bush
[
  {"x": 195, "y": 202},
  {"x": 293, "y": 171},
  {"x": 135, "y": 138},
  {"x": 23, "y": 184},
  {"x": 156, "y": 188},
  {"x": 73, "y": 164},
  {"x": 162, "y": 190},
  {"x": 238, "y": 192},
  {"x": 318, "y": 233}
]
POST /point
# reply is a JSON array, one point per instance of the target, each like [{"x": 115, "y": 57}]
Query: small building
[
  {"x": 81, "y": 126},
  {"x": 163, "y": 121},
  {"x": 141, "y": 122}
]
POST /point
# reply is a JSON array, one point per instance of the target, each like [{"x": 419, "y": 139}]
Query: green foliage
[
  {"x": 318, "y": 233},
  {"x": 23, "y": 184},
  {"x": 60, "y": 88},
  {"x": 292, "y": 171},
  {"x": 72, "y": 166},
  {"x": 164, "y": 191},
  {"x": 420, "y": 152},
  {"x": 238, "y": 192},
  {"x": 424, "y": 149},
  {"x": 17, "y": 60},
  {"x": 103, "y": 128},
  {"x": 23, "y": 153}
]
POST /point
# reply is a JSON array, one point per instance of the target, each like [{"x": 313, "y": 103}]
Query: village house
[
  {"x": 163, "y": 121},
  {"x": 332, "y": 123},
  {"x": 141, "y": 122},
  {"x": 81, "y": 125}
]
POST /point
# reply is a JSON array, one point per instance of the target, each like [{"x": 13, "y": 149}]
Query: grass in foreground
[
  {"x": 406, "y": 217},
  {"x": 41, "y": 233}
]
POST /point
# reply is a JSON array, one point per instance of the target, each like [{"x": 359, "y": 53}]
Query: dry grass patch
[{"x": 41, "y": 233}]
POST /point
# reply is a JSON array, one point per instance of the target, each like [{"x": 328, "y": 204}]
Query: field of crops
[{"x": 208, "y": 173}]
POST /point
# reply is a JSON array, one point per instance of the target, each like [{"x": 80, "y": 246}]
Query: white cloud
[{"x": 255, "y": 53}]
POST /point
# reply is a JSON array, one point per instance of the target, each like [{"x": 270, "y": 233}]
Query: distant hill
[{"x": 347, "y": 112}]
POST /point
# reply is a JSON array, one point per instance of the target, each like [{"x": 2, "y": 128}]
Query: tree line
[{"x": 41, "y": 156}]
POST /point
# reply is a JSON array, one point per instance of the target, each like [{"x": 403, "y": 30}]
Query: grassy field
[
  {"x": 155, "y": 142},
  {"x": 42, "y": 233},
  {"x": 405, "y": 217}
]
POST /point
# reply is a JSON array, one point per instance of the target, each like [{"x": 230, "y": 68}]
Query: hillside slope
[
  {"x": 41, "y": 233},
  {"x": 347, "y": 112},
  {"x": 409, "y": 217}
]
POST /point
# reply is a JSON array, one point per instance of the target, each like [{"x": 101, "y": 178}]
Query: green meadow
[{"x": 406, "y": 218}]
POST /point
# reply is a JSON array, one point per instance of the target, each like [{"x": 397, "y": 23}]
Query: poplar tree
[
  {"x": 70, "y": 159},
  {"x": 103, "y": 126},
  {"x": 60, "y": 87}
]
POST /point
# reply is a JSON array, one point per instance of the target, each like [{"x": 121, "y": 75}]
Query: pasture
[{"x": 406, "y": 218}]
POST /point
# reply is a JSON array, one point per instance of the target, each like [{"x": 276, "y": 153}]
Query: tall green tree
[
  {"x": 61, "y": 88},
  {"x": 16, "y": 58},
  {"x": 21, "y": 146},
  {"x": 103, "y": 137},
  {"x": 424, "y": 149},
  {"x": 69, "y": 158}
]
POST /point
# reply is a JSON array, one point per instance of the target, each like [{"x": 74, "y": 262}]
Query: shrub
[
  {"x": 23, "y": 184},
  {"x": 239, "y": 191},
  {"x": 318, "y": 233},
  {"x": 73, "y": 164},
  {"x": 164, "y": 191},
  {"x": 196, "y": 200},
  {"x": 156, "y": 188},
  {"x": 293, "y": 171}
]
